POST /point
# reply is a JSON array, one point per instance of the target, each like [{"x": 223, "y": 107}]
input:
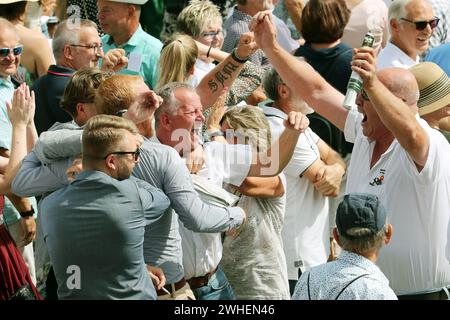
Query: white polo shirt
[
  {"x": 417, "y": 203},
  {"x": 306, "y": 223},
  {"x": 228, "y": 163},
  {"x": 393, "y": 56}
]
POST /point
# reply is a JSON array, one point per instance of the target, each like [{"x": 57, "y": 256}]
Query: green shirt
[{"x": 146, "y": 47}]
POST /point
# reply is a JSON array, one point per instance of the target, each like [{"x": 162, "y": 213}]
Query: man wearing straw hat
[{"x": 434, "y": 101}]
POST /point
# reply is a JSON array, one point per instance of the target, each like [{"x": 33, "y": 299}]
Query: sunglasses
[
  {"x": 135, "y": 154},
  {"x": 17, "y": 51},
  {"x": 420, "y": 25}
]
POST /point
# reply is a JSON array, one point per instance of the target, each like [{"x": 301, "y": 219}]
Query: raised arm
[
  {"x": 310, "y": 86},
  {"x": 262, "y": 187},
  {"x": 224, "y": 74},
  {"x": 399, "y": 117}
]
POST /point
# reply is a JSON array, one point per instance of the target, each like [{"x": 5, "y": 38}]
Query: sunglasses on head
[
  {"x": 420, "y": 25},
  {"x": 17, "y": 51}
]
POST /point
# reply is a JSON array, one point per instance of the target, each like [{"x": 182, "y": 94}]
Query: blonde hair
[
  {"x": 116, "y": 93},
  {"x": 197, "y": 16},
  {"x": 250, "y": 123},
  {"x": 178, "y": 57},
  {"x": 102, "y": 133}
]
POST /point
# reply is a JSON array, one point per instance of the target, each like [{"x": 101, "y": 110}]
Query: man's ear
[
  {"x": 131, "y": 10},
  {"x": 68, "y": 53},
  {"x": 336, "y": 236},
  {"x": 395, "y": 25},
  {"x": 110, "y": 163},
  {"x": 283, "y": 91},
  {"x": 388, "y": 234},
  {"x": 164, "y": 119}
]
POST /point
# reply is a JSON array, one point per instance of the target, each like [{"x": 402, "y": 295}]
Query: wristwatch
[{"x": 28, "y": 213}]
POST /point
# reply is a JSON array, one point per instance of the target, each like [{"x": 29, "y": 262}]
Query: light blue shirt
[
  {"x": 440, "y": 55},
  {"x": 6, "y": 94},
  {"x": 332, "y": 279},
  {"x": 141, "y": 45}
]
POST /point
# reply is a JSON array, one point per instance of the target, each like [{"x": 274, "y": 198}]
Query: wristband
[
  {"x": 237, "y": 58},
  {"x": 28, "y": 213}
]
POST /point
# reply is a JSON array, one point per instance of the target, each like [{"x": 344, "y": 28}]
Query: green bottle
[{"x": 355, "y": 83}]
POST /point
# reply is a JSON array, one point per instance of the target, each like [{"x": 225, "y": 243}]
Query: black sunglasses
[
  {"x": 17, "y": 51},
  {"x": 420, "y": 25},
  {"x": 135, "y": 154}
]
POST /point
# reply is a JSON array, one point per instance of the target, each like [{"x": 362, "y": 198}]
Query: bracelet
[
  {"x": 209, "y": 50},
  {"x": 28, "y": 213},
  {"x": 120, "y": 113},
  {"x": 235, "y": 57}
]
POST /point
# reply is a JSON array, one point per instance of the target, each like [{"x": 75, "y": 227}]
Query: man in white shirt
[
  {"x": 177, "y": 122},
  {"x": 397, "y": 157},
  {"x": 411, "y": 24},
  {"x": 314, "y": 172}
]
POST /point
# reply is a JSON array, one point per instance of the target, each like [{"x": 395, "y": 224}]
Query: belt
[
  {"x": 438, "y": 295},
  {"x": 172, "y": 287},
  {"x": 198, "y": 282}
]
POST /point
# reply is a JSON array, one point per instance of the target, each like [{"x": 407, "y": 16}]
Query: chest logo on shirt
[{"x": 377, "y": 181}]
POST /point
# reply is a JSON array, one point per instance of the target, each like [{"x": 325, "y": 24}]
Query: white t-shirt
[
  {"x": 393, "y": 56},
  {"x": 306, "y": 222},
  {"x": 201, "y": 69},
  {"x": 417, "y": 204}
]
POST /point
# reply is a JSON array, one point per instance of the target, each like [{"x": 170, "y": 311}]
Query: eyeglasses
[
  {"x": 211, "y": 34},
  {"x": 96, "y": 47},
  {"x": 135, "y": 154},
  {"x": 421, "y": 25},
  {"x": 17, "y": 51}
]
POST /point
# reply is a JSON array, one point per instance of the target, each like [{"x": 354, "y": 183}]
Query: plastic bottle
[{"x": 355, "y": 82}]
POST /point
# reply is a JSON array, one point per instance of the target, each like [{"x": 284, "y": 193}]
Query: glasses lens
[
  {"x": 18, "y": 50},
  {"x": 420, "y": 25},
  {"x": 4, "y": 52},
  {"x": 434, "y": 23}
]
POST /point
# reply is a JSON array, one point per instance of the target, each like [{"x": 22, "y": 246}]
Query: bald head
[
  {"x": 401, "y": 83},
  {"x": 6, "y": 25}
]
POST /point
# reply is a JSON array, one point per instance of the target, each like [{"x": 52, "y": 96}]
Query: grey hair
[
  {"x": 363, "y": 240},
  {"x": 68, "y": 32},
  {"x": 271, "y": 81},
  {"x": 170, "y": 104},
  {"x": 397, "y": 9}
]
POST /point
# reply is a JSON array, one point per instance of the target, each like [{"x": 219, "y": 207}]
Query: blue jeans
[{"x": 218, "y": 288}]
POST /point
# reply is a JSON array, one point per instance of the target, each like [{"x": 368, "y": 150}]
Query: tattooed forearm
[{"x": 220, "y": 77}]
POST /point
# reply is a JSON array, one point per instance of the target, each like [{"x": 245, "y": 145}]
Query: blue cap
[{"x": 360, "y": 210}]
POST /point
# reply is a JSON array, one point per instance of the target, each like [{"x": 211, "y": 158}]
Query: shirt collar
[
  {"x": 6, "y": 82},
  {"x": 239, "y": 15},
  {"x": 359, "y": 260},
  {"x": 274, "y": 112},
  {"x": 401, "y": 55},
  {"x": 133, "y": 41}
]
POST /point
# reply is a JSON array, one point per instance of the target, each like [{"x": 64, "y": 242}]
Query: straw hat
[{"x": 434, "y": 86}]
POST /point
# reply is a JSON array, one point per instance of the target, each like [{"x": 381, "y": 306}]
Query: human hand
[
  {"x": 296, "y": 121},
  {"x": 263, "y": 28},
  {"x": 28, "y": 230},
  {"x": 195, "y": 160},
  {"x": 114, "y": 60},
  {"x": 74, "y": 169},
  {"x": 246, "y": 46},
  {"x": 157, "y": 276},
  {"x": 21, "y": 109},
  {"x": 234, "y": 233},
  {"x": 364, "y": 63},
  {"x": 143, "y": 108},
  {"x": 328, "y": 180},
  {"x": 48, "y": 7}
]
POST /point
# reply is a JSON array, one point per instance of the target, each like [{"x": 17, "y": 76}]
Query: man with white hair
[
  {"x": 411, "y": 24},
  {"x": 119, "y": 19}
]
